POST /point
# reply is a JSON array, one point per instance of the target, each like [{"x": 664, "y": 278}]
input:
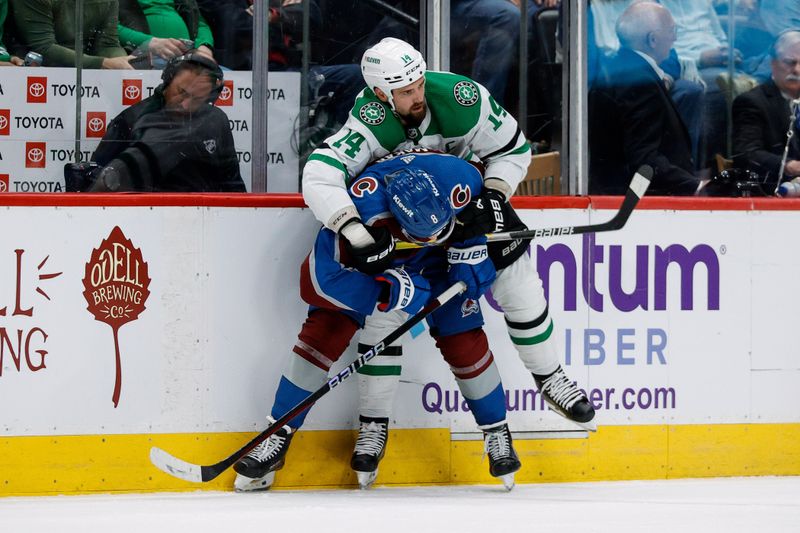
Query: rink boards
[{"x": 679, "y": 327}]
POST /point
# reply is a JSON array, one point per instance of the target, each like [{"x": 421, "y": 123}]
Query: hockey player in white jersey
[{"x": 406, "y": 106}]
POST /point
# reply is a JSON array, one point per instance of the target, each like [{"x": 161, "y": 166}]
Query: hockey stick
[
  {"x": 201, "y": 473},
  {"x": 637, "y": 188}
]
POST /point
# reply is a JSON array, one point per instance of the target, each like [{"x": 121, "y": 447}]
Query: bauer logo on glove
[
  {"x": 409, "y": 292},
  {"x": 472, "y": 255}
]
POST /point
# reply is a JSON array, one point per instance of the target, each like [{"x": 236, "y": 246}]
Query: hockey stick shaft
[
  {"x": 637, "y": 188},
  {"x": 202, "y": 473}
]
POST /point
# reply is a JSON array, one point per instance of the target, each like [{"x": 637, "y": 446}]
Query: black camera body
[
  {"x": 79, "y": 177},
  {"x": 735, "y": 183}
]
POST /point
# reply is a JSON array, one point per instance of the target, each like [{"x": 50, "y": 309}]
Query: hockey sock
[
  {"x": 533, "y": 341},
  {"x": 478, "y": 379}
]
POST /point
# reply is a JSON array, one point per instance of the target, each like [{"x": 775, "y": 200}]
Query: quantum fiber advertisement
[{"x": 180, "y": 319}]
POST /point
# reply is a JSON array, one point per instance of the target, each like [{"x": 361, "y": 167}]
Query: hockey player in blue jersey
[
  {"x": 415, "y": 195},
  {"x": 404, "y": 105}
]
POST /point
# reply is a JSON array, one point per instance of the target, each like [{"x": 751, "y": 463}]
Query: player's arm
[
  {"x": 500, "y": 144},
  {"x": 326, "y": 176}
]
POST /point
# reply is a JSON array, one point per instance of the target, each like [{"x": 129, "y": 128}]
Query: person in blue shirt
[{"x": 416, "y": 197}]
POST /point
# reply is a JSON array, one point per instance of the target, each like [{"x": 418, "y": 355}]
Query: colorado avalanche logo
[
  {"x": 466, "y": 93},
  {"x": 363, "y": 186},
  {"x": 372, "y": 113},
  {"x": 459, "y": 197},
  {"x": 469, "y": 307}
]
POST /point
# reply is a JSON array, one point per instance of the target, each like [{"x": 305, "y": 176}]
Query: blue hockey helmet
[{"x": 419, "y": 205}]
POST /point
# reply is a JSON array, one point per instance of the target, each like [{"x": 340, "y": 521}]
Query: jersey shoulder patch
[
  {"x": 372, "y": 113},
  {"x": 378, "y": 118}
]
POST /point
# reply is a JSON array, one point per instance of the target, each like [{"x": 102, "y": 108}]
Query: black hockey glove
[
  {"x": 485, "y": 214},
  {"x": 373, "y": 258}
]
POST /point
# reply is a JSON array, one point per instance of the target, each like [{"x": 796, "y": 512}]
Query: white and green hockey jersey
[{"x": 462, "y": 119}]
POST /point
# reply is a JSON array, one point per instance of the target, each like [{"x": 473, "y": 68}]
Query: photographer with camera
[{"x": 174, "y": 141}]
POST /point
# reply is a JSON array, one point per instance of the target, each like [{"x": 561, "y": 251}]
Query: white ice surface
[{"x": 760, "y": 505}]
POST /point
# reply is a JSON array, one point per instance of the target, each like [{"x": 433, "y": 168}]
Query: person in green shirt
[
  {"x": 162, "y": 26},
  {"x": 6, "y": 59},
  {"x": 48, "y": 27}
]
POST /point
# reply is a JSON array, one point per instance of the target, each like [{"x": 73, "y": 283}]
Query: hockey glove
[
  {"x": 485, "y": 214},
  {"x": 409, "y": 292},
  {"x": 369, "y": 258},
  {"x": 470, "y": 263}
]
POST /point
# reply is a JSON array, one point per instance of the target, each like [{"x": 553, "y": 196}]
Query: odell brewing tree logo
[{"x": 116, "y": 285}]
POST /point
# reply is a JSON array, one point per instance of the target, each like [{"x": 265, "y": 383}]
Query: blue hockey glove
[
  {"x": 409, "y": 292},
  {"x": 470, "y": 263}
]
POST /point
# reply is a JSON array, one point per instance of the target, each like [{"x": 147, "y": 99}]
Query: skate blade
[
  {"x": 508, "y": 481},
  {"x": 248, "y": 484},
  {"x": 366, "y": 479},
  {"x": 591, "y": 425}
]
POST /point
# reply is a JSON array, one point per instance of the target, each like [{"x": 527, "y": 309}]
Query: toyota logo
[
  {"x": 35, "y": 155},
  {"x": 3, "y": 186},
  {"x": 36, "y": 90},
  {"x": 3, "y": 122},
  {"x": 95, "y": 124},
  {"x": 132, "y": 92},
  {"x": 226, "y": 93}
]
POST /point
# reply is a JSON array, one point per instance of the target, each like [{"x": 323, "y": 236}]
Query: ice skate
[
  {"x": 370, "y": 447},
  {"x": 256, "y": 470},
  {"x": 566, "y": 399},
  {"x": 503, "y": 460}
]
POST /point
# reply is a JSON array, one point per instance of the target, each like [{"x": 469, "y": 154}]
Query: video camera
[{"x": 736, "y": 183}]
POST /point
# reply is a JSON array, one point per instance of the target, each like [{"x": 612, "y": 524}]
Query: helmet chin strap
[{"x": 389, "y": 99}]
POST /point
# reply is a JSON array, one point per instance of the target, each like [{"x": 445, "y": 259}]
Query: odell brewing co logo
[
  {"x": 3, "y": 182},
  {"x": 226, "y": 96},
  {"x": 37, "y": 90},
  {"x": 116, "y": 283},
  {"x": 35, "y": 154},
  {"x": 5, "y": 122},
  {"x": 131, "y": 92},
  {"x": 95, "y": 124},
  {"x": 23, "y": 341}
]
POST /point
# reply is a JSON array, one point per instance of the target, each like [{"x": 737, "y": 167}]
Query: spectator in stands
[
  {"x": 774, "y": 17},
  {"x": 48, "y": 27},
  {"x": 700, "y": 35},
  {"x": 231, "y": 23},
  {"x": 174, "y": 141},
  {"x": 496, "y": 25},
  {"x": 685, "y": 86},
  {"x": 6, "y": 59},
  {"x": 632, "y": 119},
  {"x": 164, "y": 27},
  {"x": 762, "y": 116}
]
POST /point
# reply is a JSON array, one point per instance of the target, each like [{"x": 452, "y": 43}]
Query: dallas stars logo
[
  {"x": 372, "y": 113},
  {"x": 466, "y": 93}
]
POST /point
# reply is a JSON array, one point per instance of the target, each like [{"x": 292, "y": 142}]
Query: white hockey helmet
[{"x": 392, "y": 64}]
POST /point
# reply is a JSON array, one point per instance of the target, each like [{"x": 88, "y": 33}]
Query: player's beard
[{"x": 415, "y": 116}]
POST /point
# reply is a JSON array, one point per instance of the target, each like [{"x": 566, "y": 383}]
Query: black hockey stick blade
[
  {"x": 636, "y": 189},
  {"x": 187, "y": 471}
]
